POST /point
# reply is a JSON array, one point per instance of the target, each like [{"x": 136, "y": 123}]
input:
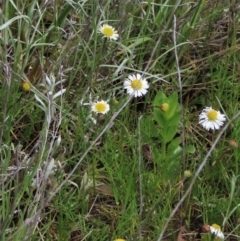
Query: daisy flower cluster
[
  {"x": 137, "y": 86},
  {"x": 134, "y": 84}
]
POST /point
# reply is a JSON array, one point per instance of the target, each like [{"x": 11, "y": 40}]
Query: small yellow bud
[
  {"x": 119, "y": 239},
  {"x": 26, "y": 86},
  {"x": 187, "y": 173},
  {"x": 165, "y": 107}
]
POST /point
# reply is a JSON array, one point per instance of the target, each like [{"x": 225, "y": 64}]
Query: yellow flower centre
[
  {"x": 217, "y": 227},
  {"x": 165, "y": 107},
  {"x": 212, "y": 115},
  {"x": 107, "y": 31},
  {"x": 136, "y": 84},
  {"x": 100, "y": 107}
]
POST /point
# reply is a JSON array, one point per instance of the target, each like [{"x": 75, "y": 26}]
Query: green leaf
[
  {"x": 170, "y": 117},
  {"x": 173, "y": 145},
  {"x": 174, "y": 105},
  {"x": 159, "y": 116},
  {"x": 190, "y": 149},
  {"x": 9, "y": 22},
  {"x": 168, "y": 133},
  {"x": 139, "y": 41},
  {"x": 175, "y": 119}
]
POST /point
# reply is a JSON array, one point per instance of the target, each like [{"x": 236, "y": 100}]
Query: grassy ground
[{"x": 64, "y": 177}]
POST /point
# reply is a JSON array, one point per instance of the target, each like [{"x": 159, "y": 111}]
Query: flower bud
[
  {"x": 26, "y": 86},
  {"x": 206, "y": 228},
  {"x": 165, "y": 107},
  {"x": 187, "y": 173},
  {"x": 233, "y": 143},
  {"x": 115, "y": 101}
]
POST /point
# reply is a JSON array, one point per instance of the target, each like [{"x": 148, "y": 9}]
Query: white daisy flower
[
  {"x": 101, "y": 107},
  {"x": 136, "y": 85},
  {"x": 108, "y": 32},
  {"x": 211, "y": 119},
  {"x": 216, "y": 231}
]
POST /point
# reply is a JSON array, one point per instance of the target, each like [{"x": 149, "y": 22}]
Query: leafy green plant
[{"x": 164, "y": 129}]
